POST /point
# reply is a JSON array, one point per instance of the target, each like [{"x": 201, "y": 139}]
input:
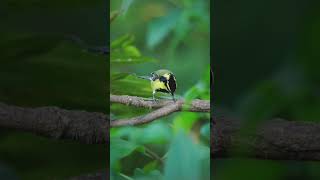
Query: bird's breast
[{"x": 156, "y": 84}]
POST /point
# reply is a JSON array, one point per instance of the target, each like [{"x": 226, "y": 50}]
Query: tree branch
[
  {"x": 273, "y": 139},
  {"x": 195, "y": 106},
  {"x": 164, "y": 111},
  {"x": 53, "y": 122},
  {"x": 166, "y": 107}
]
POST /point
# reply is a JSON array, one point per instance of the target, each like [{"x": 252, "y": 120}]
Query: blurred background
[
  {"x": 41, "y": 66},
  {"x": 266, "y": 63},
  {"x": 146, "y": 36},
  {"x": 173, "y": 33}
]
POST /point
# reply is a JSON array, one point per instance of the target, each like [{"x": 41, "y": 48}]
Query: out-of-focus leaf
[
  {"x": 131, "y": 85},
  {"x": 240, "y": 168},
  {"x": 113, "y": 15},
  {"x": 132, "y": 51},
  {"x": 153, "y": 133},
  {"x": 150, "y": 166},
  {"x": 262, "y": 103},
  {"x": 120, "y": 148},
  {"x": 16, "y": 5},
  {"x": 126, "y": 39},
  {"x": 305, "y": 110},
  {"x": 122, "y": 132},
  {"x": 117, "y": 76},
  {"x": 63, "y": 84},
  {"x": 187, "y": 160},
  {"x": 118, "y": 176},
  {"x": 201, "y": 89},
  {"x": 139, "y": 174},
  {"x": 126, "y": 60},
  {"x": 29, "y": 46},
  {"x": 160, "y": 27},
  {"x": 7, "y": 173},
  {"x": 124, "y": 53},
  {"x": 125, "y": 6},
  {"x": 184, "y": 121},
  {"x": 121, "y": 111},
  {"x": 192, "y": 93},
  {"x": 205, "y": 131},
  {"x": 182, "y": 28}
]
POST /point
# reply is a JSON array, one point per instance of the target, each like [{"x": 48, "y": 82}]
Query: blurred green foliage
[
  {"x": 154, "y": 35},
  {"x": 40, "y": 66},
  {"x": 266, "y": 63}
]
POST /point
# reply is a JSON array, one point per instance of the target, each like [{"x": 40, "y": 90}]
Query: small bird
[
  {"x": 161, "y": 80},
  {"x": 164, "y": 81}
]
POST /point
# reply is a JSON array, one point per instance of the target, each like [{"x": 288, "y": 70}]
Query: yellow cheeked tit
[{"x": 164, "y": 81}]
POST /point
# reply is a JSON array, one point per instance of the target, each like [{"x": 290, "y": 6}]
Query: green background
[
  {"x": 41, "y": 66},
  {"x": 157, "y": 34},
  {"x": 266, "y": 63}
]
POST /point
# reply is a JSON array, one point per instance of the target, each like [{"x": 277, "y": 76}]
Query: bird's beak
[{"x": 145, "y": 77}]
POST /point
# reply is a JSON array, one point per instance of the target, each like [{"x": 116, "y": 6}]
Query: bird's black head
[{"x": 154, "y": 76}]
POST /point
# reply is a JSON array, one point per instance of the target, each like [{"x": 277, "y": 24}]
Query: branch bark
[
  {"x": 274, "y": 139},
  {"x": 53, "y": 122},
  {"x": 195, "y": 106},
  {"x": 166, "y": 107}
]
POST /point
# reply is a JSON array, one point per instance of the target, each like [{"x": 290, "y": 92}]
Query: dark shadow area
[
  {"x": 49, "y": 57},
  {"x": 265, "y": 56}
]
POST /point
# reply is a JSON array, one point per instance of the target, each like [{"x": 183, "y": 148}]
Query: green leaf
[
  {"x": 184, "y": 121},
  {"x": 201, "y": 89},
  {"x": 28, "y": 46},
  {"x": 36, "y": 5},
  {"x": 124, "y": 53},
  {"x": 186, "y": 160},
  {"x": 132, "y": 51},
  {"x": 263, "y": 102},
  {"x": 120, "y": 148},
  {"x": 153, "y": 133},
  {"x": 118, "y": 76},
  {"x": 131, "y": 85},
  {"x": 192, "y": 93},
  {"x": 205, "y": 131},
  {"x": 125, "y": 39},
  {"x": 159, "y": 28},
  {"x": 150, "y": 166},
  {"x": 125, "y": 6},
  {"x": 113, "y": 15},
  {"x": 124, "y": 60},
  {"x": 118, "y": 176},
  {"x": 139, "y": 174}
]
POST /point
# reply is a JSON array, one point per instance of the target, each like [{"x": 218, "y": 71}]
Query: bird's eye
[{"x": 153, "y": 75}]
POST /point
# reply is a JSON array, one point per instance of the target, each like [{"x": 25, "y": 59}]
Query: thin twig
[
  {"x": 164, "y": 111},
  {"x": 113, "y": 15},
  {"x": 154, "y": 155}
]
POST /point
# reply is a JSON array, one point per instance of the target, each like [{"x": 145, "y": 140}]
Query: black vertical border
[{"x": 107, "y": 14}]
